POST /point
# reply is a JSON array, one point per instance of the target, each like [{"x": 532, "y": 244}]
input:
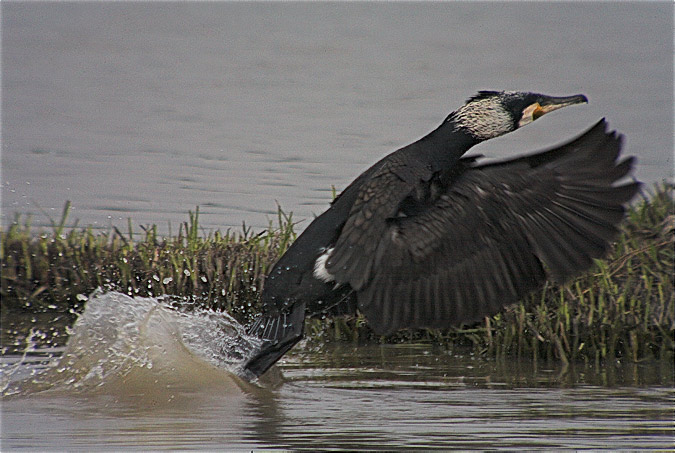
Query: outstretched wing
[{"x": 495, "y": 234}]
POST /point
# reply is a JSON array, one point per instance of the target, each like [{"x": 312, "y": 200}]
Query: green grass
[
  {"x": 57, "y": 270},
  {"x": 622, "y": 308}
]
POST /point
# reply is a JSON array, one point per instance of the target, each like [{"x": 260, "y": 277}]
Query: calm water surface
[
  {"x": 138, "y": 375},
  {"x": 147, "y": 110}
]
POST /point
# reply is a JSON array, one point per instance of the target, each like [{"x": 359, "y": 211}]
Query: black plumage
[{"x": 428, "y": 238}]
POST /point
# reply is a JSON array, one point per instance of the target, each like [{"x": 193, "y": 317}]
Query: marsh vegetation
[{"x": 623, "y": 308}]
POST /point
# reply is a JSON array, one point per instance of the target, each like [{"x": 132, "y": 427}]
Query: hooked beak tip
[{"x": 568, "y": 100}]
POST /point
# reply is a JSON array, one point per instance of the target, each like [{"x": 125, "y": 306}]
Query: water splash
[{"x": 141, "y": 345}]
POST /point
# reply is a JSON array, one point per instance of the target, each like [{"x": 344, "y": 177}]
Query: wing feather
[
  {"x": 352, "y": 258},
  {"x": 497, "y": 232}
]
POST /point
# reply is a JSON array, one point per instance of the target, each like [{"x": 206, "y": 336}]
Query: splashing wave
[{"x": 143, "y": 345}]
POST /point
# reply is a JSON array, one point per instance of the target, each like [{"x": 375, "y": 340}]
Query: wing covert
[{"x": 357, "y": 250}]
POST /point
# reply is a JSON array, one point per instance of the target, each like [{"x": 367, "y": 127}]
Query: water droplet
[{"x": 167, "y": 280}]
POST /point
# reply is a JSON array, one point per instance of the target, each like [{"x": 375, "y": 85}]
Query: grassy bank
[
  {"x": 623, "y": 308},
  {"x": 58, "y": 268}
]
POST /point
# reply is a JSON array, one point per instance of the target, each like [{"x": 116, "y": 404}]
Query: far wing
[{"x": 378, "y": 200}]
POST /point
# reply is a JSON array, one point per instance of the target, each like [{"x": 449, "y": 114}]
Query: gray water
[
  {"x": 139, "y": 375},
  {"x": 147, "y": 110}
]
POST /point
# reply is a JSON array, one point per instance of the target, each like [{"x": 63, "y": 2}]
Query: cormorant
[{"x": 428, "y": 238}]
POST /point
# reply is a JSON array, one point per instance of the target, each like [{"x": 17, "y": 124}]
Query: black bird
[{"x": 427, "y": 238}]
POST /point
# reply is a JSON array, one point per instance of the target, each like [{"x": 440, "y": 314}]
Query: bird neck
[{"x": 446, "y": 144}]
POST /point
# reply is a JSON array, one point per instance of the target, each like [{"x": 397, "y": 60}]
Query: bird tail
[{"x": 279, "y": 332}]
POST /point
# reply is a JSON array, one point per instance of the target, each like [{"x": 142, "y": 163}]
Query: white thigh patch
[{"x": 320, "y": 271}]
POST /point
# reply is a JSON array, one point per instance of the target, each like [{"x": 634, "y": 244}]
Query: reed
[
  {"x": 623, "y": 308},
  {"x": 217, "y": 270}
]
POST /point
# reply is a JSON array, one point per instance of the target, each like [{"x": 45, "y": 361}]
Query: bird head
[{"x": 490, "y": 114}]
